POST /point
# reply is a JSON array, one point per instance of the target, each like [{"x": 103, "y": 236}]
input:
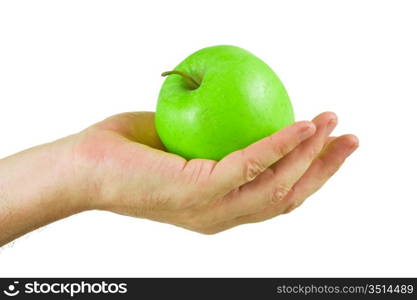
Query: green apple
[{"x": 218, "y": 100}]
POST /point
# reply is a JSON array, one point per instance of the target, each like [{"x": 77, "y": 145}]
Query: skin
[{"x": 120, "y": 165}]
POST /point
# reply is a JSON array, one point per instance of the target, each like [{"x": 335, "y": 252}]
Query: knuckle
[
  {"x": 253, "y": 168},
  {"x": 278, "y": 194}
]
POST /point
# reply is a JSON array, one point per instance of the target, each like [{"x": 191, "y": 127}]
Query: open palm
[{"x": 127, "y": 171}]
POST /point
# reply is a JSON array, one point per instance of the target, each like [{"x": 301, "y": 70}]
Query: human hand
[{"x": 122, "y": 167}]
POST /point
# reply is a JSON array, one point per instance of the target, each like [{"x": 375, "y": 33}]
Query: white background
[{"x": 67, "y": 64}]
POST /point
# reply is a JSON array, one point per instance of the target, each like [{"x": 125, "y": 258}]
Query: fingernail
[
  {"x": 331, "y": 125},
  {"x": 307, "y": 131}
]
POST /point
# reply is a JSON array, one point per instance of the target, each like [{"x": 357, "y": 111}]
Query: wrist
[
  {"x": 84, "y": 163},
  {"x": 75, "y": 174}
]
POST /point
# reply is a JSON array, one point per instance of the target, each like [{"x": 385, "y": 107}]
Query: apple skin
[{"x": 239, "y": 101}]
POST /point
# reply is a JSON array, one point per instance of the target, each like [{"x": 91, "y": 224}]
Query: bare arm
[
  {"x": 36, "y": 188},
  {"x": 120, "y": 165}
]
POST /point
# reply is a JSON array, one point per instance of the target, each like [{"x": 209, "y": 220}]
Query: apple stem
[{"x": 191, "y": 82}]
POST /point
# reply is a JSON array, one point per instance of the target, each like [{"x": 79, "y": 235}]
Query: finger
[
  {"x": 328, "y": 162},
  {"x": 324, "y": 167},
  {"x": 244, "y": 165},
  {"x": 272, "y": 186},
  {"x": 135, "y": 126},
  {"x": 329, "y": 140},
  {"x": 293, "y": 166}
]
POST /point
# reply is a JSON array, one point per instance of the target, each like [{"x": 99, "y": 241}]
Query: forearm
[
  {"x": 53, "y": 181},
  {"x": 36, "y": 188}
]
